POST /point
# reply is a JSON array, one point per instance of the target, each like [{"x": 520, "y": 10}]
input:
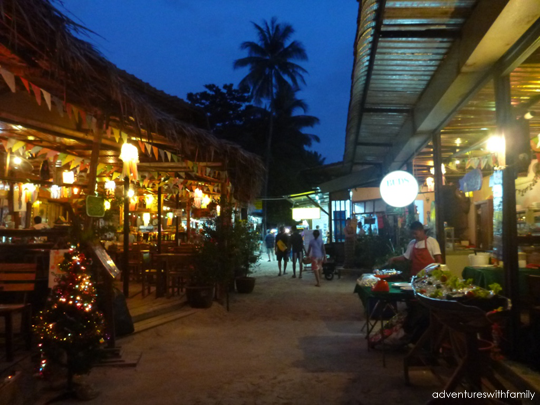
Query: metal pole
[
  {"x": 505, "y": 122},
  {"x": 125, "y": 264},
  {"x": 330, "y": 228},
  {"x": 439, "y": 203},
  {"x": 159, "y": 208}
]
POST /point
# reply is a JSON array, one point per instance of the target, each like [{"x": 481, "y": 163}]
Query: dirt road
[{"x": 288, "y": 342}]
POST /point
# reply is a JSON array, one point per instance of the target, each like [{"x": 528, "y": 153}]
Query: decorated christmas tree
[{"x": 70, "y": 328}]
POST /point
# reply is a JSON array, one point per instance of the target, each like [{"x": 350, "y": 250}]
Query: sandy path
[{"x": 287, "y": 343}]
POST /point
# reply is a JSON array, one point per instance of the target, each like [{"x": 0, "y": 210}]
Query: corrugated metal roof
[{"x": 411, "y": 39}]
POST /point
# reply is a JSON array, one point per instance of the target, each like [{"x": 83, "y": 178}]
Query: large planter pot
[
  {"x": 245, "y": 285},
  {"x": 200, "y": 296}
]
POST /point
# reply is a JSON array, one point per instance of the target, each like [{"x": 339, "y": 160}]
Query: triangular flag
[
  {"x": 59, "y": 105},
  {"x": 5, "y": 142},
  {"x": 36, "y": 150},
  {"x": 101, "y": 167},
  {"x": 11, "y": 142},
  {"x": 175, "y": 158},
  {"x": 47, "y": 97},
  {"x": 37, "y": 93},
  {"x": 76, "y": 162},
  {"x": 62, "y": 157},
  {"x": 43, "y": 151},
  {"x": 51, "y": 154},
  {"x": 168, "y": 155},
  {"x": 208, "y": 171},
  {"x": 26, "y": 84},
  {"x": 115, "y": 175},
  {"x": 116, "y": 134},
  {"x": 155, "y": 149},
  {"x": 69, "y": 158},
  {"x": 9, "y": 78},
  {"x": 148, "y": 149},
  {"x": 75, "y": 113},
  {"x": 182, "y": 175},
  {"x": 83, "y": 118},
  {"x": 141, "y": 145},
  {"x": 124, "y": 137},
  {"x": 162, "y": 154},
  {"x": 17, "y": 146}
]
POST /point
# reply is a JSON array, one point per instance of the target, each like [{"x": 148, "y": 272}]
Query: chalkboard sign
[
  {"x": 95, "y": 206},
  {"x": 105, "y": 260}
]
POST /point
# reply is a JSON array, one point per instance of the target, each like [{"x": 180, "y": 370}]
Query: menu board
[{"x": 105, "y": 260}]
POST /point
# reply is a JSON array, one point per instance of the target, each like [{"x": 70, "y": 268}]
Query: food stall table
[
  {"x": 381, "y": 303},
  {"x": 485, "y": 276}
]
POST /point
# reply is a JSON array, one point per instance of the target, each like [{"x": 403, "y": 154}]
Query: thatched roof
[{"x": 40, "y": 43}]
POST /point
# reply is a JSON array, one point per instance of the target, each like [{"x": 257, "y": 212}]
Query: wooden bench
[{"x": 18, "y": 278}]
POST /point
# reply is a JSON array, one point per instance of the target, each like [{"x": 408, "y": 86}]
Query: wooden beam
[{"x": 428, "y": 34}]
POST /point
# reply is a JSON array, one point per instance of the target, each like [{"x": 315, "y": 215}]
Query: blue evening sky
[{"x": 180, "y": 45}]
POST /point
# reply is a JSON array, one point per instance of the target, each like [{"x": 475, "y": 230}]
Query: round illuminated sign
[{"x": 399, "y": 188}]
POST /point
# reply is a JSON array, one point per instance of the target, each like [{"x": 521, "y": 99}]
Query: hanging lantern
[
  {"x": 130, "y": 157},
  {"x": 218, "y": 210},
  {"x": 110, "y": 186},
  {"x": 68, "y": 177},
  {"x": 107, "y": 205},
  {"x": 131, "y": 193},
  {"x": 205, "y": 201},
  {"x": 197, "y": 198},
  {"x": 430, "y": 183},
  {"x": 55, "y": 192},
  {"x": 75, "y": 191},
  {"x": 149, "y": 200},
  {"x": 146, "y": 218}
]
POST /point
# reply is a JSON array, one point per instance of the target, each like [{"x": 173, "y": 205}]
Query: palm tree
[{"x": 271, "y": 67}]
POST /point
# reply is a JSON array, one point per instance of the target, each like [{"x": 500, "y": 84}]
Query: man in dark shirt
[
  {"x": 270, "y": 242},
  {"x": 282, "y": 249},
  {"x": 297, "y": 245}
]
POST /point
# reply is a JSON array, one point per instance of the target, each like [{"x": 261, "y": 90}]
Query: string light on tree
[{"x": 70, "y": 328}]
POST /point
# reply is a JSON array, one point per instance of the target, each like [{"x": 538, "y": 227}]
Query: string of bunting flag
[{"x": 87, "y": 120}]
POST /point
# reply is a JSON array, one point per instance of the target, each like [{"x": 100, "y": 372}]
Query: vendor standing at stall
[{"x": 422, "y": 250}]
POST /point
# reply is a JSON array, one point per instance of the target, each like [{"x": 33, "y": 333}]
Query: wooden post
[
  {"x": 177, "y": 219},
  {"x": 159, "y": 208},
  {"x": 505, "y": 122},
  {"x": 188, "y": 219},
  {"x": 92, "y": 171},
  {"x": 439, "y": 203},
  {"x": 125, "y": 264}
]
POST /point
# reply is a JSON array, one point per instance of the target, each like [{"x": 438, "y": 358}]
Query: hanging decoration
[
  {"x": 197, "y": 198},
  {"x": 110, "y": 186},
  {"x": 68, "y": 177},
  {"x": 130, "y": 156}
]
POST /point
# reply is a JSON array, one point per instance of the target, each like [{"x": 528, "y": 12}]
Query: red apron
[{"x": 420, "y": 258}]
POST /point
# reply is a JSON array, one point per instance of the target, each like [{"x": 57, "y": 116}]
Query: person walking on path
[
  {"x": 422, "y": 250},
  {"x": 270, "y": 242},
  {"x": 350, "y": 239},
  {"x": 318, "y": 256},
  {"x": 282, "y": 249},
  {"x": 297, "y": 245}
]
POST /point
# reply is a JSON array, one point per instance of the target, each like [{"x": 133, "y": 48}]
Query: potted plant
[
  {"x": 246, "y": 253},
  {"x": 208, "y": 272}
]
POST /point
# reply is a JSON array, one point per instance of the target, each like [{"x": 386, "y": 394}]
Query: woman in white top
[{"x": 318, "y": 255}]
